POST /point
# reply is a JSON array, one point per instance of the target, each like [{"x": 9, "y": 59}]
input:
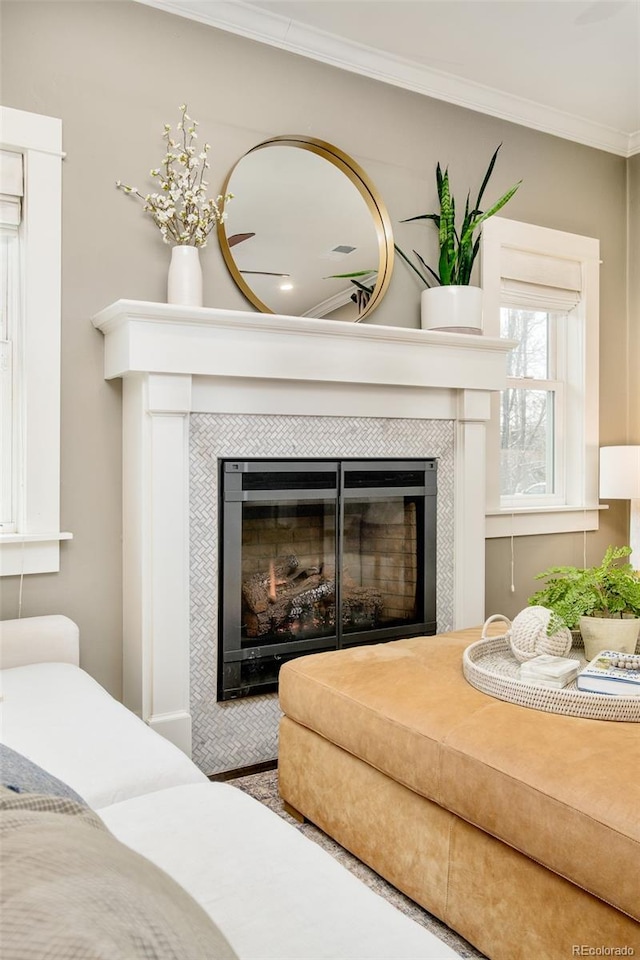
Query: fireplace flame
[{"x": 272, "y": 581}]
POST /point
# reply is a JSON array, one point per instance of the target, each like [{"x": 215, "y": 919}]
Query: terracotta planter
[
  {"x": 609, "y": 633},
  {"x": 456, "y": 309}
]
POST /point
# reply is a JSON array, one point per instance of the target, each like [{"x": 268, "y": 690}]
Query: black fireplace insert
[{"x": 318, "y": 555}]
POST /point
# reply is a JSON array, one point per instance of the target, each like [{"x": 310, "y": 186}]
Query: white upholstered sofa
[{"x": 272, "y": 892}]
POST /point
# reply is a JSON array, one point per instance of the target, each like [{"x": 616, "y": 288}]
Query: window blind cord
[
  {"x": 21, "y": 580},
  {"x": 513, "y": 560}
]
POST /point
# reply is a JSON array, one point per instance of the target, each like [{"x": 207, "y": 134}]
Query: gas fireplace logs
[{"x": 285, "y": 598}]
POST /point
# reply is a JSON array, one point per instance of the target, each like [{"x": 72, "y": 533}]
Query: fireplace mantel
[
  {"x": 176, "y": 361},
  {"x": 146, "y": 337}
]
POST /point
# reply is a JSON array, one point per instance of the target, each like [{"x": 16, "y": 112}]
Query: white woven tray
[{"x": 490, "y": 666}]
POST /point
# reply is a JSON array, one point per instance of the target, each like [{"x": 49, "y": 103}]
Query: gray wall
[
  {"x": 634, "y": 298},
  {"x": 115, "y": 73}
]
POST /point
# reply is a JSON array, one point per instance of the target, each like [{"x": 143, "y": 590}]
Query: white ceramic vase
[
  {"x": 456, "y": 309},
  {"x": 184, "y": 282},
  {"x": 609, "y": 633}
]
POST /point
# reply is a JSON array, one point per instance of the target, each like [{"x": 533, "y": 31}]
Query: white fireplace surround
[{"x": 175, "y": 361}]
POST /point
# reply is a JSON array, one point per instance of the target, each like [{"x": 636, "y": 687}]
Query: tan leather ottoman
[{"x": 519, "y": 829}]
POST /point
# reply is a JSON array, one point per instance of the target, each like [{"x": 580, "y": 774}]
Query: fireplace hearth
[{"x": 318, "y": 555}]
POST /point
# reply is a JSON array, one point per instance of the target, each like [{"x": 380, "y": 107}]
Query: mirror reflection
[{"x": 303, "y": 214}]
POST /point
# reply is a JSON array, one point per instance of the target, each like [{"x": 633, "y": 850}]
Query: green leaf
[
  {"x": 487, "y": 176},
  {"x": 424, "y": 216},
  {"x": 347, "y": 276},
  {"x": 499, "y": 204},
  {"x": 409, "y": 262},
  {"x": 447, "y": 232},
  {"x": 426, "y": 266},
  {"x": 465, "y": 263}
]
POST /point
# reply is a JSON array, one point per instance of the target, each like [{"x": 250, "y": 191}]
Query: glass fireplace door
[
  {"x": 279, "y": 556},
  {"x": 387, "y": 550},
  {"x": 316, "y": 555}
]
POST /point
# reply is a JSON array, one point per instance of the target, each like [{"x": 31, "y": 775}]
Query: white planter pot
[
  {"x": 454, "y": 309},
  {"x": 609, "y": 633},
  {"x": 184, "y": 282}
]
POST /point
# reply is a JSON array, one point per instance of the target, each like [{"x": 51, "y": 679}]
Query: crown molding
[
  {"x": 634, "y": 144},
  {"x": 241, "y": 18}
]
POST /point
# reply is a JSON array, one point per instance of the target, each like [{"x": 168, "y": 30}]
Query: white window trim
[
  {"x": 581, "y": 509},
  {"x": 34, "y": 547}
]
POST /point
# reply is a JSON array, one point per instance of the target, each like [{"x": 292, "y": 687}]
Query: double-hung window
[
  {"x": 541, "y": 290},
  {"x": 30, "y": 272},
  {"x": 12, "y": 191}
]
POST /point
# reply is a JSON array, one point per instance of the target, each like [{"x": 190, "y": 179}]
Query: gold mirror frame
[{"x": 366, "y": 190}]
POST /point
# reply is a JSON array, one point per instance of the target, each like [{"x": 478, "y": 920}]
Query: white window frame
[
  {"x": 579, "y": 509},
  {"x": 556, "y": 384},
  {"x": 33, "y": 546},
  {"x": 8, "y": 425}
]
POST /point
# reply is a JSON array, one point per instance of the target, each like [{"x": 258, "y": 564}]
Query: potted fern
[
  {"x": 450, "y": 302},
  {"x": 603, "y": 602}
]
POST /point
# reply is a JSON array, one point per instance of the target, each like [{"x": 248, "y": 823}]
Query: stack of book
[
  {"x": 549, "y": 671},
  {"x": 617, "y": 674}
]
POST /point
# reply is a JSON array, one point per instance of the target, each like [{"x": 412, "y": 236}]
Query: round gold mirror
[{"x": 306, "y": 234}]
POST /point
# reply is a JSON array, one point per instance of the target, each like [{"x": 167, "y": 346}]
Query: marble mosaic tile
[{"x": 239, "y": 733}]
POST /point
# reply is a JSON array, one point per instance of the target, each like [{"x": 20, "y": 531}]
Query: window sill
[
  {"x": 535, "y": 521},
  {"x": 30, "y": 553}
]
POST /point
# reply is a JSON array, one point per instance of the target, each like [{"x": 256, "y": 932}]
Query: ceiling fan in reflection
[
  {"x": 237, "y": 238},
  {"x": 363, "y": 293}
]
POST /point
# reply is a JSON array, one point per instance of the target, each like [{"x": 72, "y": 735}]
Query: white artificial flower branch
[{"x": 180, "y": 209}]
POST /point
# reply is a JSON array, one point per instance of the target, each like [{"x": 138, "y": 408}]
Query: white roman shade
[
  {"x": 546, "y": 281},
  {"x": 11, "y": 188}
]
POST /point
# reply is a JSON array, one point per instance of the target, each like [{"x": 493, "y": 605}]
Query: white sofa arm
[{"x": 39, "y": 640}]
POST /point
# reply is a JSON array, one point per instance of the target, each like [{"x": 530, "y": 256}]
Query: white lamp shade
[{"x": 620, "y": 473}]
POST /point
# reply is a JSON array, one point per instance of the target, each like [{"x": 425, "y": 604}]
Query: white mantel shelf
[
  {"x": 163, "y": 338},
  {"x": 176, "y": 361}
]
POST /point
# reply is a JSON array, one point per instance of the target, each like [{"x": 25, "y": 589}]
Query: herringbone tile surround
[{"x": 239, "y": 733}]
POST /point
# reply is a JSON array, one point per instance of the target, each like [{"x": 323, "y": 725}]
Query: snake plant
[{"x": 458, "y": 249}]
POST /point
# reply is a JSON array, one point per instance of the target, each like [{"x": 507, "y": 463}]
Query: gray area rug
[{"x": 264, "y": 787}]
